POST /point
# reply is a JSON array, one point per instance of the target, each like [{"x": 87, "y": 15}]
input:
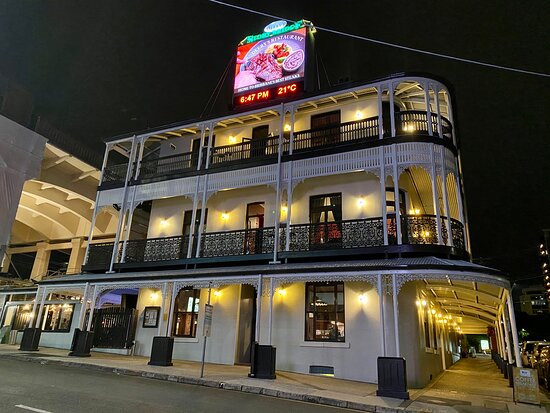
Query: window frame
[
  {"x": 57, "y": 328},
  {"x": 194, "y": 315},
  {"x": 336, "y": 312}
]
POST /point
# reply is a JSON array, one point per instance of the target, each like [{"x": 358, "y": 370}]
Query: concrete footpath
[{"x": 471, "y": 385}]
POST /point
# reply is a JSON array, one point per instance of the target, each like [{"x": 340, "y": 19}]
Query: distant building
[{"x": 534, "y": 301}]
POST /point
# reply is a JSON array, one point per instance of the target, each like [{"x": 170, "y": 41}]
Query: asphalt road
[{"x": 33, "y": 387}]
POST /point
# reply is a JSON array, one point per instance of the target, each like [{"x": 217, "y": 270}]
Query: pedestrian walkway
[{"x": 471, "y": 385}]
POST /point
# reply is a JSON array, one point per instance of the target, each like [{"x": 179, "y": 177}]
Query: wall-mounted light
[
  {"x": 284, "y": 209},
  {"x": 154, "y": 296},
  {"x": 217, "y": 293},
  {"x": 225, "y": 216},
  {"x": 409, "y": 128},
  {"x": 414, "y": 211},
  {"x": 362, "y": 298},
  {"x": 232, "y": 139},
  {"x": 424, "y": 303},
  {"x": 287, "y": 127},
  {"x": 358, "y": 114},
  {"x": 433, "y": 311},
  {"x": 282, "y": 292},
  {"x": 163, "y": 223},
  {"x": 361, "y": 202}
]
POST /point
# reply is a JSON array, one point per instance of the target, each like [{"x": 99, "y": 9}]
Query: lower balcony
[{"x": 360, "y": 237}]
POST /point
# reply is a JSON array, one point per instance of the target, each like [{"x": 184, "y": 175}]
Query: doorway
[
  {"x": 255, "y": 213},
  {"x": 325, "y": 128},
  {"x": 259, "y": 141},
  {"x": 247, "y": 324}
]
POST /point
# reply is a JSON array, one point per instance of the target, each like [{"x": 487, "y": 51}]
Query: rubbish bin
[
  {"x": 82, "y": 343},
  {"x": 392, "y": 378},
  {"x": 262, "y": 361},
  {"x": 30, "y": 340},
  {"x": 161, "y": 353}
]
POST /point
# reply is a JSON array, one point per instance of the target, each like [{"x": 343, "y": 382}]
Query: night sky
[{"x": 102, "y": 68}]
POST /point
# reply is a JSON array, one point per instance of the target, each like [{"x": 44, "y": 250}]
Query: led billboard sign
[{"x": 268, "y": 62}]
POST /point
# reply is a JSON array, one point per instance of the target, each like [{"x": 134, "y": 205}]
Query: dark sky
[{"x": 102, "y": 68}]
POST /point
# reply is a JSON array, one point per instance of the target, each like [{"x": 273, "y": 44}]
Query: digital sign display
[{"x": 266, "y": 62}]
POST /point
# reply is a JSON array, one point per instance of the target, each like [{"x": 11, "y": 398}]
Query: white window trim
[
  {"x": 186, "y": 339},
  {"x": 325, "y": 344}
]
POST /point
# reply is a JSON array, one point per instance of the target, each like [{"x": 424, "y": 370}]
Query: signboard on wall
[
  {"x": 271, "y": 65},
  {"x": 526, "y": 386}
]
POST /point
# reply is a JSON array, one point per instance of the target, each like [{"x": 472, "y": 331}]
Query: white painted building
[{"x": 343, "y": 211}]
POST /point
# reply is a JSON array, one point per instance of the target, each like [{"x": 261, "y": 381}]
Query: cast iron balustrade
[
  {"x": 156, "y": 249},
  {"x": 239, "y": 242},
  {"x": 166, "y": 166},
  {"x": 457, "y": 231},
  {"x": 343, "y": 133},
  {"x": 348, "y": 234},
  {"x": 247, "y": 150},
  {"x": 99, "y": 255},
  {"x": 419, "y": 229},
  {"x": 115, "y": 173},
  {"x": 411, "y": 121}
]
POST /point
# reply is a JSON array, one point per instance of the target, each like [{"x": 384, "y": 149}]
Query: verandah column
[
  {"x": 395, "y": 315},
  {"x": 205, "y": 191},
  {"x": 83, "y": 306},
  {"x": 278, "y": 196},
  {"x": 382, "y": 319},
  {"x": 94, "y": 215},
  {"x": 507, "y": 336},
  {"x": 196, "y": 195},
  {"x": 395, "y": 176},
  {"x": 122, "y": 213},
  {"x": 435, "y": 197},
  {"x": 514, "y": 328},
  {"x": 426, "y": 87},
  {"x": 92, "y": 308},
  {"x": 41, "y": 308},
  {"x": 381, "y": 161},
  {"x": 289, "y": 179},
  {"x": 162, "y": 305},
  {"x": 446, "y": 197}
]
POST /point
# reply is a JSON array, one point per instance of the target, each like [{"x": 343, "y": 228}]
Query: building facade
[{"x": 331, "y": 226}]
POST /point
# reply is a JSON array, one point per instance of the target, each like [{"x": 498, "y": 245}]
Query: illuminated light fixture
[
  {"x": 282, "y": 292},
  {"x": 361, "y": 202},
  {"x": 418, "y": 303},
  {"x": 26, "y": 307},
  {"x": 284, "y": 209},
  {"x": 217, "y": 293},
  {"x": 362, "y": 298},
  {"x": 287, "y": 127},
  {"x": 358, "y": 115},
  {"x": 225, "y": 216},
  {"x": 439, "y": 315},
  {"x": 154, "y": 296},
  {"x": 163, "y": 223},
  {"x": 433, "y": 311},
  {"x": 409, "y": 128},
  {"x": 424, "y": 303},
  {"x": 232, "y": 139}
]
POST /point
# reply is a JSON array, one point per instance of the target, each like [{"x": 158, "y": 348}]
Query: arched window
[{"x": 186, "y": 312}]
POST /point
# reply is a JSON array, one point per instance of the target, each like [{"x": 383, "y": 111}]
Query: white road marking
[{"x": 32, "y": 409}]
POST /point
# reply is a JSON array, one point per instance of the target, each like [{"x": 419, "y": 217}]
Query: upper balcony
[{"x": 399, "y": 110}]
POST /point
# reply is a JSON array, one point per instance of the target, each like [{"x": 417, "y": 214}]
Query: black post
[
  {"x": 82, "y": 343},
  {"x": 510, "y": 368},
  {"x": 161, "y": 352},
  {"x": 392, "y": 378},
  {"x": 30, "y": 339}
]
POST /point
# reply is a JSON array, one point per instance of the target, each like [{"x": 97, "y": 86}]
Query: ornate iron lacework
[
  {"x": 457, "y": 230},
  {"x": 419, "y": 229},
  {"x": 115, "y": 173},
  {"x": 100, "y": 254},
  {"x": 240, "y": 242},
  {"x": 157, "y": 249}
]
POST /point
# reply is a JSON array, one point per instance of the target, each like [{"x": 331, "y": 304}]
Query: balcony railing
[
  {"x": 411, "y": 121},
  {"x": 156, "y": 249},
  {"x": 348, "y": 235},
  {"x": 264, "y": 150},
  {"x": 357, "y": 233},
  {"x": 240, "y": 242},
  {"x": 168, "y": 166},
  {"x": 344, "y": 133},
  {"x": 248, "y": 149}
]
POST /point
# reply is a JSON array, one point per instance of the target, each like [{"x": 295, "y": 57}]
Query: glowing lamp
[
  {"x": 282, "y": 292},
  {"x": 433, "y": 311},
  {"x": 358, "y": 115},
  {"x": 287, "y": 127},
  {"x": 225, "y": 216},
  {"x": 362, "y": 298},
  {"x": 232, "y": 139},
  {"x": 361, "y": 202},
  {"x": 217, "y": 293},
  {"x": 424, "y": 303},
  {"x": 163, "y": 223},
  {"x": 154, "y": 296},
  {"x": 418, "y": 303}
]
